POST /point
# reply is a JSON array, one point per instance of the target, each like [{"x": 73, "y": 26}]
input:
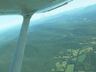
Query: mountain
[
  {"x": 79, "y": 14},
  {"x": 55, "y": 44},
  {"x": 83, "y": 10}
]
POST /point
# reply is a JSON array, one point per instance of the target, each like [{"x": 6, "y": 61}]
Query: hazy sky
[
  {"x": 10, "y": 20},
  {"x": 71, "y": 5}
]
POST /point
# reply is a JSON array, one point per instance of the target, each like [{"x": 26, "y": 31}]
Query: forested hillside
[{"x": 63, "y": 43}]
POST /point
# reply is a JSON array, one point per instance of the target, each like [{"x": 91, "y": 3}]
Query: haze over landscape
[
  {"x": 9, "y": 21},
  {"x": 65, "y": 42}
]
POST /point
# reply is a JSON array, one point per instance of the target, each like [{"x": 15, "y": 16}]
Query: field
[{"x": 60, "y": 45}]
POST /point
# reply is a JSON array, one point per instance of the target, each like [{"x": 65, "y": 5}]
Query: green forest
[
  {"x": 64, "y": 43},
  {"x": 55, "y": 48}
]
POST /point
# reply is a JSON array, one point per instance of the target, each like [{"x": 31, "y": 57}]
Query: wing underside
[{"x": 29, "y": 6}]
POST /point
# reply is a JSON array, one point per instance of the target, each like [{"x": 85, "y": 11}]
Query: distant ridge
[
  {"x": 83, "y": 10},
  {"x": 72, "y": 15}
]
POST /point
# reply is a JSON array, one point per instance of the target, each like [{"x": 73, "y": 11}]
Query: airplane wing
[{"x": 28, "y": 6}]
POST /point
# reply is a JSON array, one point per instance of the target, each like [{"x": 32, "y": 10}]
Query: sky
[{"x": 8, "y": 21}]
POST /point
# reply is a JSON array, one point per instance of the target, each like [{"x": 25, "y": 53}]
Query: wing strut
[{"x": 19, "y": 50}]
